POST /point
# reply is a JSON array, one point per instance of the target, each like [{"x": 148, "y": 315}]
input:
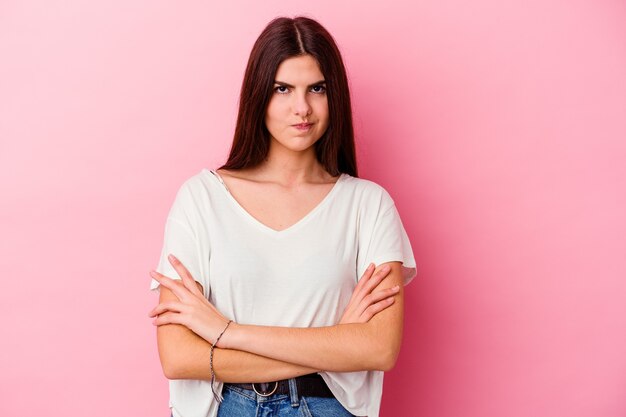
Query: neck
[{"x": 292, "y": 168}]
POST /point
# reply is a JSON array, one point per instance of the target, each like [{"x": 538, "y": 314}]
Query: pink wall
[{"x": 499, "y": 128}]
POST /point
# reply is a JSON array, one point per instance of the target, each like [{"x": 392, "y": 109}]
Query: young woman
[{"x": 290, "y": 299}]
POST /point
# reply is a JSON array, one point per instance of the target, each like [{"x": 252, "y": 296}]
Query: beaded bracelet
[{"x": 217, "y": 396}]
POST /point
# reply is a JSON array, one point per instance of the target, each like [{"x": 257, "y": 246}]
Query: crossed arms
[{"x": 367, "y": 337}]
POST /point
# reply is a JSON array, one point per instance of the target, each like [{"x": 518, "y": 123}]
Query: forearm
[
  {"x": 340, "y": 348},
  {"x": 374, "y": 345},
  {"x": 185, "y": 355},
  {"x": 239, "y": 366}
]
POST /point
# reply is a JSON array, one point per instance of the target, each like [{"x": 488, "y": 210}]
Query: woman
[{"x": 280, "y": 299}]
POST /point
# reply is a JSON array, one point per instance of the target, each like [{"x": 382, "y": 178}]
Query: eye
[
  {"x": 318, "y": 89},
  {"x": 281, "y": 89}
]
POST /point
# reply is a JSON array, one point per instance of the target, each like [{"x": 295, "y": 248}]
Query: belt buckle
[{"x": 265, "y": 385}]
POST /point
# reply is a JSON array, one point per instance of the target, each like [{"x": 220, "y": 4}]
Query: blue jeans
[{"x": 239, "y": 402}]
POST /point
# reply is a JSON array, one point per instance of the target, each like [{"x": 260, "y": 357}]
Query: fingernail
[
  {"x": 370, "y": 266},
  {"x": 172, "y": 257},
  {"x": 154, "y": 275},
  {"x": 395, "y": 287}
]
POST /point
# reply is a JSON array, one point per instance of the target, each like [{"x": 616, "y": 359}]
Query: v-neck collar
[{"x": 262, "y": 226}]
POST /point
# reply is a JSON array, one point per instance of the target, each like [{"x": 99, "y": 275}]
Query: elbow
[
  {"x": 179, "y": 349},
  {"x": 171, "y": 367},
  {"x": 386, "y": 354},
  {"x": 178, "y": 369},
  {"x": 170, "y": 371},
  {"x": 387, "y": 360},
  {"x": 383, "y": 351},
  {"x": 172, "y": 357}
]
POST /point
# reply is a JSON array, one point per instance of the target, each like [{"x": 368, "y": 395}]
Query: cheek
[
  {"x": 275, "y": 111},
  {"x": 271, "y": 116},
  {"x": 319, "y": 104},
  {"x": 322, "y": 112}
]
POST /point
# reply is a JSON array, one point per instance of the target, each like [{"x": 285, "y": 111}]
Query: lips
[{"x": 303, "y": 126}]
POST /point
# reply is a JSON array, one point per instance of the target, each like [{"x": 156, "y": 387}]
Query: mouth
[{"x": 303, "y": 126}]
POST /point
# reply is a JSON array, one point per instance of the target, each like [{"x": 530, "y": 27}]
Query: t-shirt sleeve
[
  {"x": 179, "y": 239},
  {"x": 382, "y": 238}
]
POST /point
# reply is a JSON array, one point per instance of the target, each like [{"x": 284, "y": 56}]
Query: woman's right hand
[{"x": 365, "y": 303}]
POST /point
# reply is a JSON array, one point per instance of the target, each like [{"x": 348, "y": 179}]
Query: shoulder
[
  {"x": 197, "y": 191},
  {"x": 198, "y": 183},
  {"x": 366, "y": 192}
]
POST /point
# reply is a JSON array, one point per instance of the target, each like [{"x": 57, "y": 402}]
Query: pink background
[{"x": 498, "y": 127}]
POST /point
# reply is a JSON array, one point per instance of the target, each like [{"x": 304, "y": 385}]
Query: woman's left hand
[{"x": 192, "y": 309}]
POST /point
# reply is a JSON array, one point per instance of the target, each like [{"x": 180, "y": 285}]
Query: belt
[{"x": 311, "y": 385}]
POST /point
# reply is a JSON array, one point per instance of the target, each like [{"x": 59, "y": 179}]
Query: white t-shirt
[{"x": 302, "y": 276}]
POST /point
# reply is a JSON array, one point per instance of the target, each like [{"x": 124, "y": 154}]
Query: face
[{"x": 297, "y": 114}]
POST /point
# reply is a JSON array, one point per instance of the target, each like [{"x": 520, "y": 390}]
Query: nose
[{"x": 301, "y": 105}]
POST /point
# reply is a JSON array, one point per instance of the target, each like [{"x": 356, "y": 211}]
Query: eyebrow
[{"x": 281, "y": 83}]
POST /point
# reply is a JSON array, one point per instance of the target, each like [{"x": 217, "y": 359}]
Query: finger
[
  {"x": 367, "y": 274},
  {"x": 175, "y": 285},
  {"x": 376, "y": 279},
  {"x": 168, "y": 318},
  {"x": 376, "y": 308},
  {"x": 172, "y": 305},
  {"x": 185, "y": 275},
  {"x": 375, "y": 297}
]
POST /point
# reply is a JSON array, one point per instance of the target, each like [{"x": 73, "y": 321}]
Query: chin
[{"x": 296, "y": 143}]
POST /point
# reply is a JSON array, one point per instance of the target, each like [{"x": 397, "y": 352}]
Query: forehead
[{"x": 299, "y": 70}]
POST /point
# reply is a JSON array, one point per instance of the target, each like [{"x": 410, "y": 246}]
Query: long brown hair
[{"x": 285, "y": 38}]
